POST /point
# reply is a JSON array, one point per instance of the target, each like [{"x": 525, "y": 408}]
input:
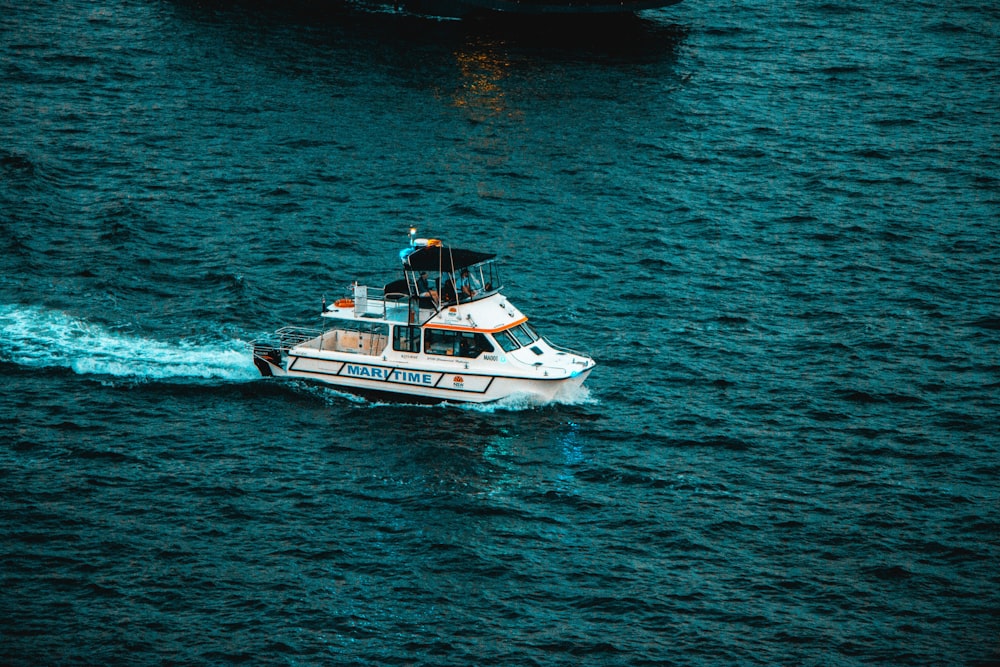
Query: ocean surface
[{"x": 774, "y": 225}]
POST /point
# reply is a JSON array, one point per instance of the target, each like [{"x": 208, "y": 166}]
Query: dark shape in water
[
  {"x": 464, "y": 8},
  {"x": 478, "y": 8}
]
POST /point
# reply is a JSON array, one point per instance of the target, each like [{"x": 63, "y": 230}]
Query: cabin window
[
  {"x": 506, "y": 341},
  {"x": 523, "y": 334},
  {"x": 456, "y": 343},
  {"x": 406, "y": 339}
]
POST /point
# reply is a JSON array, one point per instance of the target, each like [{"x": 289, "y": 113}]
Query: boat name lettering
[
  {"x": 412, "y": 378},
  {"x": 376, "y": 373}
]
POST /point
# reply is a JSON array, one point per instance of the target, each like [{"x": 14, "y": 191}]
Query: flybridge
[{"x": 445, "y": 275}]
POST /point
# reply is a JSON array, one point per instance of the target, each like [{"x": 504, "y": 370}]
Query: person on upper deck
[
  {"x": 424, "y": 287},
  {"x": 467, "y": 286}
]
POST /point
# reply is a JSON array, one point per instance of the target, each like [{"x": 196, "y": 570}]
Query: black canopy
[{"x": 433, "y": 258}]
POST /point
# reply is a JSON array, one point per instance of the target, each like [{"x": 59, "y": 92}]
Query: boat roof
[{"x": 443, "y": 258}]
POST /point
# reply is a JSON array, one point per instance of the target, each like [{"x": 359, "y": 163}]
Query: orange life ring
[{"x": 343, "y": 303}]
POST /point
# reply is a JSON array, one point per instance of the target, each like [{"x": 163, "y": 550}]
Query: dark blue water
[{"x": 775, "y": 226}]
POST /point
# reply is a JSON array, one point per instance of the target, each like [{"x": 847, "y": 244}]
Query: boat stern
[{"x": 267, "y": 359}]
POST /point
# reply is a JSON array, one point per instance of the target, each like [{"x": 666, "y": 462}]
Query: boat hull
[{"x": 398, "y": 383}]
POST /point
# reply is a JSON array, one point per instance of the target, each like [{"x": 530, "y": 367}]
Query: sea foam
[{"x": 38, "y": 337}]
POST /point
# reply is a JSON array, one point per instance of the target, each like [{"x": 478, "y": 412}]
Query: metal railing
[
  {"x": 376, "y": 302},
  {"x": 286, "y": 338},
  {"x": 566, "y": 350}
]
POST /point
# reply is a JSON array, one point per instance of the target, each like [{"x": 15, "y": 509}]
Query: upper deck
[{"x": 486, "y": 313}]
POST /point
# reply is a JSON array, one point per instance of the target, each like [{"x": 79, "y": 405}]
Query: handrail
[
  {"x": 566, "y": 350},
  {"x": 281, "y": 341},
  {"x": 364, "y": 296},
  {"x": 375, "y": 301},
  {"x": 289, "y": 337}
]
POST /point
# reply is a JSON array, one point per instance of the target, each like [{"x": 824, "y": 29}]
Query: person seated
[
  {"x": 467, "y": 286},
  {"x": 448, "y": 291},
  {"x": 424, "y": 287}
]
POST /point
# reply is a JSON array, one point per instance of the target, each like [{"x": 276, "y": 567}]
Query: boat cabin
[{"x": 373, "y": 339}]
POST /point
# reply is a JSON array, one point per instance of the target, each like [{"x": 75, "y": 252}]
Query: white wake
[{"x": 42, "y": 338}]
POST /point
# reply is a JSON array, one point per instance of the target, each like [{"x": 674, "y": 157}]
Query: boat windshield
[
  {"x": 516, "y": 337},
  {"x": 469, "y": 283},
  {"x": 478, "y": 280}
]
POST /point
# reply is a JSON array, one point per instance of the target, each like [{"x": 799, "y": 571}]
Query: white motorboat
[{"x": 444, "y": 332}]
